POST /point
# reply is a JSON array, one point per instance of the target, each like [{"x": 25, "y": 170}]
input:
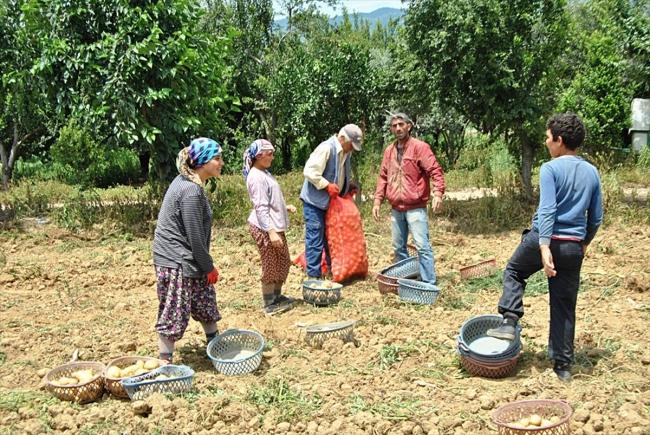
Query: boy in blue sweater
[{"x": 568, "y": 216}]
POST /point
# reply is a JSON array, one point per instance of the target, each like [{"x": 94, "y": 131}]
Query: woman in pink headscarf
[{"x": 267, "y": 223}]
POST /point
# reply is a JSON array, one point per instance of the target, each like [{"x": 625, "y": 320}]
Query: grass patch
[
  {"x": 390, "y": 355},
  {"x": 397, "y": 409},
  {"x": 12, "y": 400},
  {"x": 289, "y": 402}
]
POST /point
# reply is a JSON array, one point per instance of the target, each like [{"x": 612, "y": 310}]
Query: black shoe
[
  {"x": 562, "y": 370},
  {"x": 284, "y": 300},
  {"x": 506, "y": 331}
]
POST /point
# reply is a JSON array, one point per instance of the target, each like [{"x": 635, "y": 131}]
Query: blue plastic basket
[
  {"x": 417, "y": 292},
  {"x": 179, "y": 381},
  {"x": 477, "y": 327},
  {"x": 387, "y": 278},
  {"x": 320, "y": 296},
  {"x": 236, "y": 351}
]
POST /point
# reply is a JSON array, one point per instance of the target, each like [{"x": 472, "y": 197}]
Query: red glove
[
  {"x": 213, "y": 277},
  {"x": 333, "y": 190}
]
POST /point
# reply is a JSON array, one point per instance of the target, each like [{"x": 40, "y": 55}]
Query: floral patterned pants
[{"x": 181, "y": 297}]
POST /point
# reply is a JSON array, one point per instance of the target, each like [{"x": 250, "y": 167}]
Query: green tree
[
  {"x": 599, "y": 92},
  {"x": 606, "y": 66},
  {"x": 493, "y": 61},
  {"x": 140, "y": 68},
  {"x": 21, "y": 106}
]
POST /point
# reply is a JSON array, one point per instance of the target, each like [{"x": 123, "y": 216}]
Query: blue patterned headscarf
[
  {"x": 199, "y": 153},
  {"x": 202, "y": 150},
  {"x": 258, "y": 148}
]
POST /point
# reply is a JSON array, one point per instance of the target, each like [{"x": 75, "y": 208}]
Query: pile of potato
[
  {"x": 535, "y": 421},
  {"x": 325, "y": 285},
  {"x": 139, "y": 368},
  {"x": 76, "y": 378}
]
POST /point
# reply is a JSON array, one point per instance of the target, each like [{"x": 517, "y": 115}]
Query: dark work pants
[{"x": 563, "y": 289}]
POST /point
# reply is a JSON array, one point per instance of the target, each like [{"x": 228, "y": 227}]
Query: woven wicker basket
[
  {"x": 506, "y": 415},
  {"x": 319, "y": 334},
  {"x": 320, "y": 296},
  {"x": 410, "y": 249},
  {"x": 495, "y": 370},
  {"x": 479, "y": 270},
  {"x": 140, "y": 387},
  {"x": 387, "y": 278},
  {"x": 114, "y": 385},
  {"x": 236, "y": 351},
  {"x": 80, "y": 393},
  {"x": 417, "y": 292}
]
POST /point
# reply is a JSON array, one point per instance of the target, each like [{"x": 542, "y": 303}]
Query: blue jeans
[
  {"x": 417, "y": 222},
  {"x": 315, "y": 239},
  {"x": 562, "y": 289}
]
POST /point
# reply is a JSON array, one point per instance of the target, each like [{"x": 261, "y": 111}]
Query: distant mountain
[{"x": 382, "y": 14}]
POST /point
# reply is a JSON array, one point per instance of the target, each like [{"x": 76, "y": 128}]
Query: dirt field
[{"x": 60, "y": 292}]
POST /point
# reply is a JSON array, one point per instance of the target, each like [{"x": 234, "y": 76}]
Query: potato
[
  {"x": 546, "y": 422},
  {"x": 139, "y": 372},
  {"x": 554, "y": 419},
  {"x": 139, "y": 364},
  {"x": 535, "y": 420},
  {"x": 128, "y": 371},
  {"x": 161, "y": 377},
  {"x": 113, "y": 372},
  {"x": 151, "y": 364},
  {"x": 83, "y": 376}
]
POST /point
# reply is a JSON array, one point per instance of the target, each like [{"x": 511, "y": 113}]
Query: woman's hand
[
  {"x": 276, "y": 241},
  {"x": 291, "y": 208}
]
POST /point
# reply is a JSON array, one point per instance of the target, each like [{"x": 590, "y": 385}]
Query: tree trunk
[
  {"x": 144, "y": 158},
  {"x": 527, "y": 154},
  {"x": 286, "y": 154},
  {"x": 9, "y": 160}
]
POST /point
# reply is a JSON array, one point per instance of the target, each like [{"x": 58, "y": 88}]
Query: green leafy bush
[
  {"x": 75, "y": 147},
  {"x": 79, "y": 159},
  {"x": 120, "y": 166}
]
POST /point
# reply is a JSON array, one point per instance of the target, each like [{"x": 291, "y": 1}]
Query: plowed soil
[{"x": 61, "y": 292}]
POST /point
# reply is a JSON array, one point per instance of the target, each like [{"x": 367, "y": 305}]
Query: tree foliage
[
  {"x": 493, "y": 61},
  {"x": 140, "y": 66},
  {"x": 21, "y": 104}
]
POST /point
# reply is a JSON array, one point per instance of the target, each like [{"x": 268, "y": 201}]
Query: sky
[{"x": 362, "y": 6}]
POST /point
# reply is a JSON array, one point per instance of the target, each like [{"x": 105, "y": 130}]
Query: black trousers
[{"x": 563, "y": 289}]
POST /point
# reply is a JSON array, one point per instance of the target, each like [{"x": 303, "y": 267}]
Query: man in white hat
[{"x": 327, "y": 175}]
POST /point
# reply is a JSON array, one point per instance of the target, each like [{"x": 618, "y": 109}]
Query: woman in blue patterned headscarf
[
  {"x": 200, "y": 152},
  {"x": 267, "y": 224},
  {"x": 185, "y": 271}
]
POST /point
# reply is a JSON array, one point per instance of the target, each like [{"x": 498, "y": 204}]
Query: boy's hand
[{"x": 547, "y": 261}]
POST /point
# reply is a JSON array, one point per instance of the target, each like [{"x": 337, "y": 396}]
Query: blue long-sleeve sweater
[{"x": 571, "y": 202}]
